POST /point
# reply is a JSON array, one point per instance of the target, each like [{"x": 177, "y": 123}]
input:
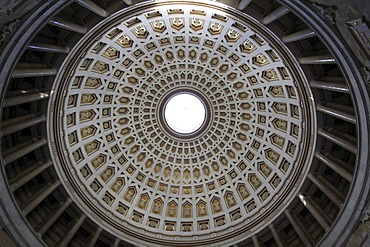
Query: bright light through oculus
[{"x": 184, "y": 113}]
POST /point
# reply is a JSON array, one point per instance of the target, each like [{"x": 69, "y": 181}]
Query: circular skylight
[{"x": 185, "y": 113}]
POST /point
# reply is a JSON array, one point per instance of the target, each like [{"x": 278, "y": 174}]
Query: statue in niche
[
  {"x": 276, "y": 182},
  {"x": 129, "y": 195},
  {"x": 281, "y": 107},
  {"x": 285, "y": 166},
  {"x": 277, "y": 90},
  {"x": 97, "y": 162},
  {"x": 243, "y": 192},
  {"x": 76, "y": 156},
  {"x": 265, "y": 195},
  {"x": 186, "y": 228},
  {"x": 172, "y": 210},
  {"x": 91, "y": 147},
  {"x": 170, "y": 228},
  {"x": 117, "y": 185},
  {"x": 255, "y": 182},
  {"x": 251, "y": 206},
  {"x": 202, "y": 209},
  {"x": 295, "y": 111},
  {"x": 87, "y": 131},
  {"x": 157, "y": 207},
  {"x": 203, "y": 226},
  {"x": 84, "y": 172},
  {"x": 196, "y": 173},
  {"x": 106, "y": 175},
  {"x": 136, "y": 218},
  {"x": 157, "y": 168},
  {"x": 90, "y": 82},
  {"x": 71, "y": 138},
  {"x": 291, "y": 149},
  {"x": 236, "y": 216},
  {"x": 142, "y": 203},
  {"x": 163, "y": 187},
  {"x": 87, "y": 98},
  {"x": 278, "y": 140},
  {"x": 296, "y": 130},
  {"x": 176, "y": 174},
  {"x": 153, "y": 223},
  {"x": 167, "y": 172},
  {"x": 216, "y": 206},
  {"x": 71, "y": 100},
  {"x": 187, "y": 211},
  {"x": 121, "y": 210},
  {"x": 95, "y": 187},
  {"x": 220, "y": 222},
  {"x": 215, "y": 166},
  {"x": 265, "y": 169},
  {"x": 291, "y": 90},
  {"x": 107, "y": 199},
  {"x": 230, "y": 200},
  {"x": 206, "y": 170},
  {"x": 273, "y": 156},
  {"x": 69, "y": 120},
  {"x": 281, "y": 124},
  {"x": 85, "y": 115}
]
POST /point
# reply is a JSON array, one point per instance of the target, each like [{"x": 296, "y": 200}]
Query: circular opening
[{"x": 185, "y": 113}]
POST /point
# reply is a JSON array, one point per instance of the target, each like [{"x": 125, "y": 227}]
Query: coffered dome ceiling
[
  {"x": 95, "y": 142},
  {"x": 123, "y": 163}
]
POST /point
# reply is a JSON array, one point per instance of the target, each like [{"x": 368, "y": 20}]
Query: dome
[
  {"x": 125, "y": 160},
  {"x": 183, "y": 123}
]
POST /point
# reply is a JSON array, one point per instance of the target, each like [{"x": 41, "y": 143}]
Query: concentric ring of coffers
[{"x": 141, "y": 182}]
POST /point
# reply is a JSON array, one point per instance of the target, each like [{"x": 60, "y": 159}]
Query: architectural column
[
  {"x": 116, "y": 242},
  {"x": 338, "y": 138},
  {"x": 277, "y": 236},
  {"x": 67, "y": 237},
  {"x": 335, "y": 84},
  {"x": 95, "y": 237},
  {"x": 28, "y": 174},
  {"x": 300, "y": 35},
  {"x": 35, "y": 144},
  {"x": 46, "y": 47},
  {"x": 309, "y": 204},
  {"x": 34, "y": 72},
  {"x": 67, "y": 25},
  {"x": 93, "y": 7},
  {"x": 338, "y": 111},
  {"x": 256, "y": 242},
  {"x": 243, "y": 4},
  {"x": 276, "y": 14},
  {"x": 21, "y": 123},
  {"x": 300, "y": 232},
  {"x": 54, "y": 216},
  {"x": 24, "y": 98},
  {"x": 35, "y": 200},
  {"x": 335, "y": 164},
  {"x": 320, "y": 59},
  {"x": 325, "y": 189}
]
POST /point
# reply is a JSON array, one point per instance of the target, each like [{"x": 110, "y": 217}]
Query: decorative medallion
[{"x": 143, "y": 180}]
